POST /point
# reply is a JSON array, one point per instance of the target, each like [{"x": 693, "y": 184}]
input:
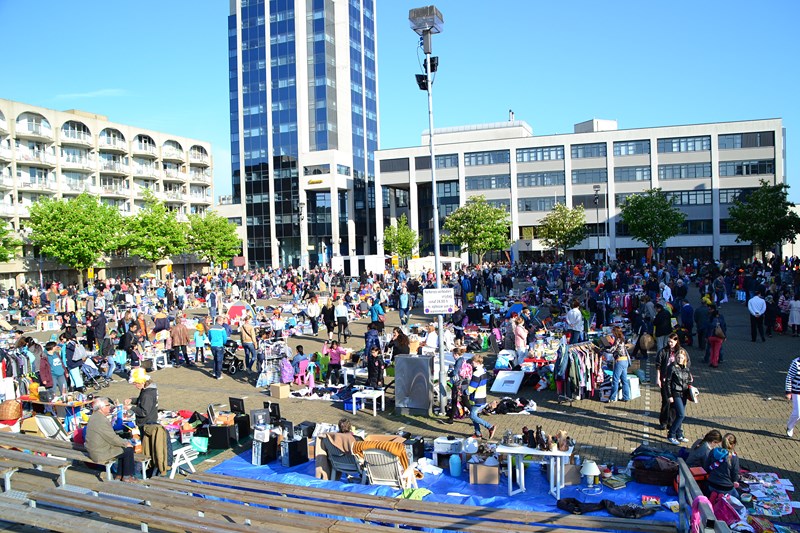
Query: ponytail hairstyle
[{"x": 729, "y": 443}]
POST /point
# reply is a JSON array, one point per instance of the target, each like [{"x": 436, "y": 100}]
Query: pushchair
[
  {"x": 230, "y": 363},
  {"x": 92, "y": 376}
]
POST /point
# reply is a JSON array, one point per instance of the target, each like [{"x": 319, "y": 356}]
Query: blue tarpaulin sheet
[{"x": 448, "y": 489}]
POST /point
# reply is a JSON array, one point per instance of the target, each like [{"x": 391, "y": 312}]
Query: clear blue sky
[{"x": 163, "y": 65}]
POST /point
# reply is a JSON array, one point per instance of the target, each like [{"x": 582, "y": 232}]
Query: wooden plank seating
[
  {"x": 8, "y": 469},
  {"x": 58, "y": 448},
  {"x": 19, "y": 513},
  {"x": 35, "y": 461},
  {"x": 424, "y": 514}
]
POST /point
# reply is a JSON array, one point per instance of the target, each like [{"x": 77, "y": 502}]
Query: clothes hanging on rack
[{"x": 579, "y": 367}]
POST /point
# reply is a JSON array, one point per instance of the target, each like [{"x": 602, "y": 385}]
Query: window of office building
[
  {"x": 689, "y": 197},
  {"x": 587, "y": 201},
  {"x": 545, "y": 153},
  {"x": 683, "y": 172},
  {"x": 495, "y": 157},
  {"x": 746, "y": 168},
  {"x": 527, "y": 233},
  {"x": 589, "y": 175},
  {"x": 313, "y": 170},
  {"x": 631, "y": 174},
  {"x": 697, "y": 227},
  {"x": 580, "y": 151},
  {"x": 504, "y": 204},
  {"x": 620, "y": 198},
  {"x": 747, "y": 140},
  {"x": 394, "y": 165},
  {"x": 723, "y": 226},
  {"x": 344, "y": 170},
  {"x": 595, "y": 230},
  {"x": 499, "y": 181},
  {"x": 728, "y": 196},
  {"x": 540, "y": 179},
  {"x": 442, "y": 161},
  {"x": 631, "y": 148},
  {"x": 684, "y": 144},
  {"x": 545, "y": 203}
]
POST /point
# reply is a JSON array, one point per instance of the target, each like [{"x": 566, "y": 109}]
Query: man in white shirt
[
  {"x": 432, "y": 338},
  {"x": 666, "y": 292},
  {"x": 575, "y": 323},
  {"x": 757, "y": 307}
]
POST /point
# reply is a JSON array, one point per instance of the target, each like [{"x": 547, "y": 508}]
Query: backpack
[{"x": 465, "y": 372}]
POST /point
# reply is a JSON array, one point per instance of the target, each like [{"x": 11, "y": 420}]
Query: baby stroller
[
  {"x": 230, "y": 363},
  {"x": 92, "y": 376}
]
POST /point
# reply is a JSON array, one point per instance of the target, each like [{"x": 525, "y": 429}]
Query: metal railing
[
  {"x": 79, "y": 136},
  {"x": 34, "y": 129},
  {"x": 172, "y": 153},
  {"x": 113, "y": 142},
  {"x": 688, "y": 490}
]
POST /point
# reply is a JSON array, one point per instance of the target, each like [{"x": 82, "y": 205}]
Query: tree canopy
[
  {"x": 764, "y": 217},
  {"x": 400, "y": 239},
  {"x": 75, "y": 232},
  {"x": 562, "y": 228},
  {"x": 154, "y": 233},
  {"x": 651, "y": 218},
  {"x": 213, "y": 238},
  {"x": 478, "y": 227},
  {"x": 8, "y": 243}
]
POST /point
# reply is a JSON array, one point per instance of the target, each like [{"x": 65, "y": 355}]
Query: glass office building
[{"x": 304, "y": 128}]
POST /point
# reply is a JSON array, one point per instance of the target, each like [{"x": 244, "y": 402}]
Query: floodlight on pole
[{"x": 426, "y": 21}]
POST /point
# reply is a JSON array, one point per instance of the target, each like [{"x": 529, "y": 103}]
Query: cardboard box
[
  {"x": 279, "y": 390},
  {"x": 484, "y": 475},
  {"x": 572, "y": 474}
]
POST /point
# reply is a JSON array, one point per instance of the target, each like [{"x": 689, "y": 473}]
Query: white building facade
[
  {"x": 46, "y": 153},
  {"x": 702, "y": 167}
]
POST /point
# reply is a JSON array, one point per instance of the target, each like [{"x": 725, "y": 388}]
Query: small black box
[
  {"x": 264, "y": 452},
  {"x": 223, "y": 437},
  {"x": 415, "y": 449},
  {"x": 294, "y": 452},
  {"x": 307, "y": 428}
]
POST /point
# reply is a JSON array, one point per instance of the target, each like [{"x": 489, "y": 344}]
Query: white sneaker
[
  {"x": 219, "y": 377},
  {"x": 790, "y": 432}
]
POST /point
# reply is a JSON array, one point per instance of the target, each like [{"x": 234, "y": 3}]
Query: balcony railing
[
  {"x": 22, "y": 211},
  {"x": 6, "y": 181},
  {"x": 141, "y": 191},
  {"x": 72, "y": 136},
  {"x": 44, "y": 185},
  {"x": 174, "y": 174},
  {"x": 72, "y": 162},
  {"x": 36, "y": 156},
  {"x": 8, "y": 210},
  {"x": 77, "y": 186},
  {"x": 140, "y": 170},
  {"x": 172, "y": 153},
  {"x": 114, "y": 166},
  {"x": 203, "y": 159},
  {"x": 200, "y": 198},
  {"x": 34, "y": 128},
  {"x": 175, "y": 195},
  {"x": 5, "y": 152},
  {"x": 142, "y": 148},
  {"x": 113, "y": 142},
  {"x": 182, "y": 218},
  {"x": 204, "y": 177},
  {"x": 116, "y": 190}
]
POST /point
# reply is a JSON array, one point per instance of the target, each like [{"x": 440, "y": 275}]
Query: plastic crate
[{"x": 348, "y": 404}]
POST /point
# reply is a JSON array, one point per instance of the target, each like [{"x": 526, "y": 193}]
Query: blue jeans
[
  {"x": 477, "y": 421},
  {"x": 404, "y": 314},
  {"x": 249, "y": 355},
  {"x": 112, "y": 365},
  {"x": 620, "y": 374},
  {"x": 576, "y": 337},
  {"x": 679, "y": 405},
  {"x": 213, "y": 312},
  {"x": 218, "y": 353}
]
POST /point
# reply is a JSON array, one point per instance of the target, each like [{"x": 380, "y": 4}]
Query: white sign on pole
[{"x": 438, "y": 301}]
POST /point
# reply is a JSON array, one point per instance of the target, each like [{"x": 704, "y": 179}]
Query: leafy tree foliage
[
  {"x": 75, "y": 232},
  {"x": 651, "y": 218},
  {"x": 8, "y": 243},
  {"x": 213, "y": 238},
  {"x": 154, "y": 233},
  {"x": 562, "y": 228},
  {"x": 400, "y": 239},
  {"x": 764, "y": 217},
  {"x": 478, "y": 227}
]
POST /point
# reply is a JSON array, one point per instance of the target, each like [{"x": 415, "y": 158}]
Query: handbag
[
  {"x": 694, "y": 394},
  {"x": 718, "y": 331},
  {"x": 382, "y": 318}
]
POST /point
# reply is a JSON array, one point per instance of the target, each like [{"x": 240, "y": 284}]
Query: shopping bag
[
  {"x": 199, "y": 444},
  {"x": 778, "y": 325},
  {"x": 76, "y": 378},
  {"x": 263, "y": 380}
]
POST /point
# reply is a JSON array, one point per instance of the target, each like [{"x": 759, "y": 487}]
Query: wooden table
[{"x": 555, "y": 473}]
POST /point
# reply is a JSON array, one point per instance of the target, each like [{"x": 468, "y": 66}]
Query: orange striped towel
[{"x": 397, "y": 449}]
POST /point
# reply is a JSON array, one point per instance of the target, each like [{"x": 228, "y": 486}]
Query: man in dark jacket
[
  {"x": 99, "y": 328},
  {"x": 687, "y": 315},
  {"x": 701, "y": 321},
  {"x": 662, "y": 326},
  {"x": 145, "y": 406}
]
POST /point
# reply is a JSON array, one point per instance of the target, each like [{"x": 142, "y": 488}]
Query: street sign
[
  {"x": 90, "y": 272},
  {"x": 438, "y": 301}
]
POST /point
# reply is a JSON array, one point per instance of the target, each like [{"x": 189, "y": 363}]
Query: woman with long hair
[
  {"x": 621, "y": 363},
  {"x": 703, "y": 447},
  {"x": 665, "y": 358},
  {"x": 722, "y": 465},
  {"x": 678, "y": 382}
]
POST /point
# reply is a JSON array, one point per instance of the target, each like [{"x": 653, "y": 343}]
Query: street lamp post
[
  {"x": 597, "y": 218},
  {"x": 426, "y": 21}
]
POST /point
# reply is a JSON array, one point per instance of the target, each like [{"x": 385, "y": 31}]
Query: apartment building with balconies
[{"x": 45, "y": 153}]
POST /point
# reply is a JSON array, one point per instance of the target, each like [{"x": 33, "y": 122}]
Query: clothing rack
[{"x": 566, "y": 364}]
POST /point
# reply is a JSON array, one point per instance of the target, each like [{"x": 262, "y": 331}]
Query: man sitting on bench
[{"x": 103, "y": 444}]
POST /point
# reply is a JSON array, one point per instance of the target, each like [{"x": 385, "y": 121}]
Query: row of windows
[
  {"x": 588, "y": 201},
  {"x": 728, "y": 196},
  {"x": 589, "y": 175},
  {"x": 539, "y": 204},
  {"x": 540, "y": 179},
  {"x": 684, "y": 144},
  {"x": 504, "y": 204},
  {"x": 684, "y": 171},
  {"x": 546, "y": 153},
  {"x": 680, "y": 198},
  {"x": 580, "y": 151},
  {"x": 499, "y": 181},
  {"x": 631, "y": 174},
  {"x": 494, "y": 157},
  {"x": 747, "y": 140},
  {"x": 442, "y": 161},
  {"x": 747, "y": 168},
  {"x": 631, "y": 147}
]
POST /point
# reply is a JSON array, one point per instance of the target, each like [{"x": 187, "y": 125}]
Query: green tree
[
  {"x": 400, "y": 239},
  {"x": 8, "y": 243},
  {"x": 764, "y": 217},
  {"x": 213, "y": 238},
  {"x": 562, "y": 228},
  {"x": 651, "y": 218},
  {"x": 75, "y": 232},
  {"x": 154, "y": 233},
  {"x": 478, "y": 227}
]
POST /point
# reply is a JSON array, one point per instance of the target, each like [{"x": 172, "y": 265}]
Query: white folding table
[
  {"x": 555, "y": 472},
  {"x": 370, "y": 395}
]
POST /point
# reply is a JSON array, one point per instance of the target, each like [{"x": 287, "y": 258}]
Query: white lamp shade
[{"x": 590, "y": 468}]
